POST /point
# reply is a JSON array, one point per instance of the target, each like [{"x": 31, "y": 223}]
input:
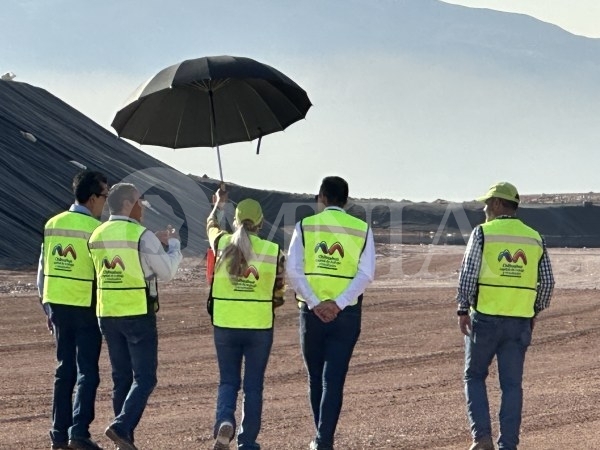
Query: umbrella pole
[
  {"x": 214, "y": 124},
  {"x": 220, "y": 168}
]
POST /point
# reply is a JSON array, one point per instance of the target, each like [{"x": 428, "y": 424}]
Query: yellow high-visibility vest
[
  {"x": 248, "y": 302},
  {"x": 507, "y": 284},
  {"x": 333, "y": 243},
  {"x": 68, "y": 268},
  {"x": 122, "y": 288}
]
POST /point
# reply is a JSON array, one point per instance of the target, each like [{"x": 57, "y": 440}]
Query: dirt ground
[{"x": 404, "y": 388}]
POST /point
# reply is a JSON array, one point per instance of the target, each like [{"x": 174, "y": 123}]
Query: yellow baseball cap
[
  {"x": 249, "y": 209},
  {"x": 503, "y": 190}
]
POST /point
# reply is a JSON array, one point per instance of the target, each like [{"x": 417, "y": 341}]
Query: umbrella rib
[
  {"x": 243, "y": 121},
  {"x": 145, "y": 134},
  {"x": 178, "y": 128},
  {"x": 180, "y": 122},
  {"x": 266, "y": 105}
]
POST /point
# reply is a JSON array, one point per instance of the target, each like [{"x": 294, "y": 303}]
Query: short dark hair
[
  {"x": 88, "y": 183},
  {"x": 335, "y": 190},
  {"x": 117, "y": 196},
  {"x": 513, "y": 206}
]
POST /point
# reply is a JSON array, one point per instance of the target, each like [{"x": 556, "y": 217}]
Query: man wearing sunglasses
[{"x": 66, "y": 287}]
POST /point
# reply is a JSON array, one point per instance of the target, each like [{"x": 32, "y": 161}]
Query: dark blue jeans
[
  {"x": 327, "y": 349},
  {"x": 78, "y": 344},
  {"x": 507, "y": 338},
  {"x": 253, "y": 347},
  {"x": 133, "y": 351}
]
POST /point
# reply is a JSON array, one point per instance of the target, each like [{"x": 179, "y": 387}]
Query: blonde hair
[{"x": 239, "y": 250}]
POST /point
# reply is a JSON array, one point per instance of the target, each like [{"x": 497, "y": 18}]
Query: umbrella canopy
[{"x": 211, "y": 101}]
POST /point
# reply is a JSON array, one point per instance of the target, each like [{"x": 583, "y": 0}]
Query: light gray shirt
[{"x": 155, "y": 261}]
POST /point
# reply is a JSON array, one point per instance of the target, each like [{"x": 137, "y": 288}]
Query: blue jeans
[
  {"x": 327, "y": 349},
  {"x": 507, "y": 338},
  {"x": 78, "y": 344},
  {"x": 254, "y": 347},
  {"x": 133, "y": 351}
]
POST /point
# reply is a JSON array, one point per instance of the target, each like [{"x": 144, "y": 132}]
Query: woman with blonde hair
[{"x": 247, "y": 285}]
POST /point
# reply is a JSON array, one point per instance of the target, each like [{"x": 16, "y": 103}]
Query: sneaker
[
  {"x": 83, "y": 444},
  {"x": 314, "y": 446},
  {"x": 224, "y": 436},
  {"x": 484, "y": 443},
  {"x": 59, "y": 446},
  {"x": 122, "y": 442}
]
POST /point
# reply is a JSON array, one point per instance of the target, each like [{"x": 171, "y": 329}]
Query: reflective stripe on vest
[
  {"x": 68, "y": 268},
  {"x": 122, "y": 289},
  {"x": 247, "y": 303},
  {"x": 509, "y": 270},
  {"x": 333, "y": 243}
]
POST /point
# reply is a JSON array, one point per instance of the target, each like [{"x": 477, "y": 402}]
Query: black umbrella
[{"x": 211, "y": 101}]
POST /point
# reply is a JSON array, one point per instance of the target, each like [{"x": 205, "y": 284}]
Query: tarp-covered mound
[
  {"x": 44, "y": 142},
  {"x": 575, "y": 225},
  {"x": 563, "y": 225}
]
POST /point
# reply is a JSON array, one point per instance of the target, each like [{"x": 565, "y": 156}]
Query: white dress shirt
[{"x": 299, "y": 282}]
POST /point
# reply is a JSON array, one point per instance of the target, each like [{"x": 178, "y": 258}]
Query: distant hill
[{"x": 559, "y": 199}]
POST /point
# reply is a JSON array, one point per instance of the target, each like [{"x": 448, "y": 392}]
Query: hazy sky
[{"x": 94, "y": 54}]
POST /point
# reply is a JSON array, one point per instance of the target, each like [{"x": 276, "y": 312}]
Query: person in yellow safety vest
[
  {"x": 505, "y": 282},
  {"x": 331, "y": 261},
  {"x": 66, "y": 285},
  {"x": 128, "y": 258},
  {"x": 248, "y": 284}
]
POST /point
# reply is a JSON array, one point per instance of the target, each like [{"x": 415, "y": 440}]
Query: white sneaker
[{"x": 224, "y": 436}]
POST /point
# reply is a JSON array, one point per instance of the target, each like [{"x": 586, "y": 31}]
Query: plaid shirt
[{"x": 469, "y": 274}]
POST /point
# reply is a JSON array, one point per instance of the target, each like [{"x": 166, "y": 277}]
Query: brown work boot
[{"x": 484, "y": 443}]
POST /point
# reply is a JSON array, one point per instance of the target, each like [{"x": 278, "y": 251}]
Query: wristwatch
[{"x": 462, "y": 312}]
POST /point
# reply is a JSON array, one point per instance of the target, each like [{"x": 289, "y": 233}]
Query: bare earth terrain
[{"x": 404, "y": 389}]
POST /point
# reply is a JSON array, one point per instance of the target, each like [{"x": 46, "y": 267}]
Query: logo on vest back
[
  {"x": 337, "y": 247},
  {"x": 110, "y": 275},
  {"x": 251, "y": 270},
  {"x": 116, "y": 261},
  {"x": 512, "y": 267},
  {"x": 61, "y": 260},
  {"x": 246, "y": 283},
  {"x": 64, "y": 252},
  {"x": 327, "y": 258},
  {"x": 519, "y": 254}
]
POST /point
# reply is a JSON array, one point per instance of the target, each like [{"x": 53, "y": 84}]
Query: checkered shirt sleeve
[
  {"x": 545, "y": 282},
  {"x": 469, "y": 270}
]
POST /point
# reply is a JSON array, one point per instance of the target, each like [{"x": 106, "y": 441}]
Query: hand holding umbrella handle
[{"x": 221, "y": 196}]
